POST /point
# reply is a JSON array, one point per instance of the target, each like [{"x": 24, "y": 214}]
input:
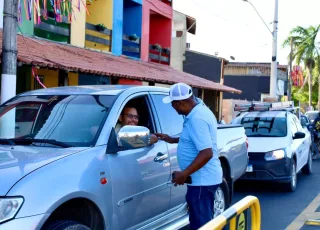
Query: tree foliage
[{"x": 306, "y": 51}]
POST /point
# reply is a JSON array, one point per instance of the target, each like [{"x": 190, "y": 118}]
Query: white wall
[
  {"x": 178, "y": 46},
  {"x": 1, "y": 13}
]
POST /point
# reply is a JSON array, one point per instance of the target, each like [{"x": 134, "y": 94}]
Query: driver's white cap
[{"x": 178, "y": 92}]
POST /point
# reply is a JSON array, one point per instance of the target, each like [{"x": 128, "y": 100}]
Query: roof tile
[{"x": 44, "y": 53}]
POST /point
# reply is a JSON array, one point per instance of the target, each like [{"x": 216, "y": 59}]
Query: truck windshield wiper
[{"x": 47, "y": 141}]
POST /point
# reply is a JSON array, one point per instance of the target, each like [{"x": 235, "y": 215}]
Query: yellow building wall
[
  {"x": 78, "y": 26},
  {"x": 73, "y": 78},
  {"x": 50, "y": 78},
  {"x": 101, "y": 12}
]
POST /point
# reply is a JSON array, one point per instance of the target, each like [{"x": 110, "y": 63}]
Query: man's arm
[
  {"x": 202, "y": 158},
  {"x": 167, "y": 138}
]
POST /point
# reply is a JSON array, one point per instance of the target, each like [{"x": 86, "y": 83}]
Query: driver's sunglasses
[{"x": 131, "y": 116}]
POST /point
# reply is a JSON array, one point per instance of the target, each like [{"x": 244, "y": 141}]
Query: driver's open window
[{"x": 138, "y": 106}]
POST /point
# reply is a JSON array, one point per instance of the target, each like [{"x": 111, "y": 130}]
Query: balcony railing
[
  {"x": 96, "y": 39},
  {"x": 49, "y": 25},
  {"x": 162, "y": 55},
  {"x": 131, "y": 44}
]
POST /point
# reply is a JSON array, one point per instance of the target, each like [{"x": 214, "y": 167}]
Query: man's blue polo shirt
[{"x": 199, "y": 133}]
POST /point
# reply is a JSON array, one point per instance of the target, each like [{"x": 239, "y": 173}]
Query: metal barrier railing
[{"x": 236, "y": 215}]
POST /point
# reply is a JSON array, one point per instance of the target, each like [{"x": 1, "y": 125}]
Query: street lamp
[
  {"x": 259, "y": 15},
  {"x": 274, "y": 64}
]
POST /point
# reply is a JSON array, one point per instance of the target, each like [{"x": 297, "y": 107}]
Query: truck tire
[
  {"x": 307, "y": 169},
  {"x": 221, "y": 198},
  {"x": 66, "y": 225},
  {"x": 292, "y": 185}
]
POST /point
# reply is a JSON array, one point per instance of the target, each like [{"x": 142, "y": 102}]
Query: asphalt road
[{"x": 279, "y": 208}]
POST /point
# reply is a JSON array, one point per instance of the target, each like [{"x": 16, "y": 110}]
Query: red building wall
[
  {"x": 123, "y": 81},
  {"x": 160, "y": 30},
  {"x": 159, "y": 8}
]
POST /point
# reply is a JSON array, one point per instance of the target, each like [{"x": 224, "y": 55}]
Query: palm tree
[{"x": 306, "y": 50}]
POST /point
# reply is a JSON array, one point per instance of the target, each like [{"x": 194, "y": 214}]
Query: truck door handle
[{"x": 160, "y": 157}]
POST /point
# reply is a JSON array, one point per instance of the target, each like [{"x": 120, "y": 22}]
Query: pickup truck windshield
[
  {"x": 55, "y": 120},
  {"x": 265, "y": 126}
]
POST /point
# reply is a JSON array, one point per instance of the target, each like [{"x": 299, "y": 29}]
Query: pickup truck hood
[
  {"x": 266, "y": 144},
  {"x": 18, "y": 161}
]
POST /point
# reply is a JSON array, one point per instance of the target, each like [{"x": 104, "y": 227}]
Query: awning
[
  {"x": 191, "y": 24},
  {"x": 47, "y": 54}
]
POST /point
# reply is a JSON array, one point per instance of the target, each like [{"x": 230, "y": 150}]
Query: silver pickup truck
[{"x": 63, "y": 166}]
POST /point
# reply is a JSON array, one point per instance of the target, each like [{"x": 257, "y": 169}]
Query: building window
[{"x": 37, "y": 84}]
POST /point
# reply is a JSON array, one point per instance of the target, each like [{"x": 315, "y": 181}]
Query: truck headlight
[
  {"x": 275, "y": 155},
  {"x": 9, "y": 207}
]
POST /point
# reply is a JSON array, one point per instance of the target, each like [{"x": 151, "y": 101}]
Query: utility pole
[
  {"x": 9, "y": 50},
  {"x": 274, "y": 64},
  {"x": 290, "y": 71},
  {"x": 9, "y": 65}
]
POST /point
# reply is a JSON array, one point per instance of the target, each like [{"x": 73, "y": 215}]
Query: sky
[{"x": 233, "y": 28}]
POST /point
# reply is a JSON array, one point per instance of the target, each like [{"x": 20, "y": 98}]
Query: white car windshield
[
  {"x": 65, "y": 120},
  {"x": 265, "y": 126}
]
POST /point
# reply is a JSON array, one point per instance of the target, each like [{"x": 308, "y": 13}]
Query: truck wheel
[
  {"x": 221, "y": 198},
  {"x": 307, "y": 169},
  {"x": 66, "y": 225},
  {"x": 292, "y": 185}
]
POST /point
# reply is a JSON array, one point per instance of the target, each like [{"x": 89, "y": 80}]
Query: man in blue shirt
[{"x": 197, "y": 153}]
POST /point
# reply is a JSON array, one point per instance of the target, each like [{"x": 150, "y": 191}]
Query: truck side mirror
[{"x": 133, "y": 137}]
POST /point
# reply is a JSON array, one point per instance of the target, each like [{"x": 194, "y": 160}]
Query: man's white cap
[{"x": 178, "y": 92}]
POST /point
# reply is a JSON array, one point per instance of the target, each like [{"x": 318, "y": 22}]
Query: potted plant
[
  {"x": 166, "y": 50},
  {"x": 156, "y": 47},
  {"x": 100, "y": 27},
  {"x": 133, "y": 37}
]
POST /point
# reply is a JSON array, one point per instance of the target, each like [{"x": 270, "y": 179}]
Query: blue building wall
[
  {"x": 117, "y": 27},
  {"x": 132, "y": 19},
  {"x": 132, "y": 24},
  {"x": 137, "y": 1}
]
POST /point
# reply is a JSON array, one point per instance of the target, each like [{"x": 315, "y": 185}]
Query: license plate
[{"x": 249, "y": 168}]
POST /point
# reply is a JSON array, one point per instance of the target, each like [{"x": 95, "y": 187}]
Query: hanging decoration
[
  {"x": 297, "y": 76},
  {"x": 40, "y": 9},
  {"x": 36, "y": 77}
]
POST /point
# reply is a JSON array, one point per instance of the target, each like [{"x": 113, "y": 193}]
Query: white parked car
[{"x": 279, "y": 147}]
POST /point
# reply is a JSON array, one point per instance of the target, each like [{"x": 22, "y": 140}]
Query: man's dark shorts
[{"x": 200, "y": 200}]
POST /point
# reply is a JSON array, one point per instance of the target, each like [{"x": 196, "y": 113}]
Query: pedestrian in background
[{"x": 197, "y": 153}]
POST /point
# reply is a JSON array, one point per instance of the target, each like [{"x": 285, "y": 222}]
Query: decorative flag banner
[
  {"x": 36, "y": 77},
  {"x": 297, "y": 76},
  {"x": 40, "y": 9}
]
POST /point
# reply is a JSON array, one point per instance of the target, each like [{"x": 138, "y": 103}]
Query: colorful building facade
[{"x": 138, "y": 29}]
